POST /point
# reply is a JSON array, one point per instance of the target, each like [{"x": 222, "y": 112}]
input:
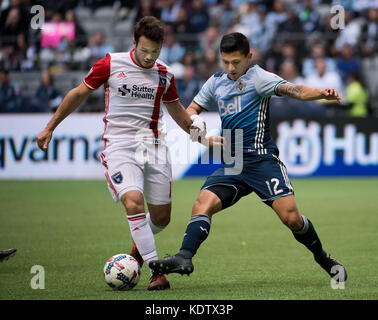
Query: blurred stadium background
[
  {"x": 68, "y": 223},
  {"x": 289, "y": 37},
  {"x": 295, "y": 39}
]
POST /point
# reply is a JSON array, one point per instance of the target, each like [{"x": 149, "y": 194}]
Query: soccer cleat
[
  {"x": 6, "y": 254},
  {"x": 158, "y": 282},
  {"x": 333, "y": 267},
  {"x": 172, "y": 264},
  {"x": 135, "y": 253}
]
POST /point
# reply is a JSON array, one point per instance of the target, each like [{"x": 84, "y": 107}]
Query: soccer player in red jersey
[{"x": 136, "y": 84}]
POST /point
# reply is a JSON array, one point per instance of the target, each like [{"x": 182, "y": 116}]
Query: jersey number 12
[{"x": 273, "y": 182}]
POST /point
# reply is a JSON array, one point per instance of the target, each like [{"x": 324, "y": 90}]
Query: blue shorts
[{"x": 264, "y": 174}]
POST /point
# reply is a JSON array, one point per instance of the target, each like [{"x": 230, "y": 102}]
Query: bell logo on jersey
[{"x": 231, "y": 108}]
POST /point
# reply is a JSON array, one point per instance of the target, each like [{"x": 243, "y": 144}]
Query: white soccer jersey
[
  {"x": 133, "y": 95},
  {"x": 133, "y": 114}
]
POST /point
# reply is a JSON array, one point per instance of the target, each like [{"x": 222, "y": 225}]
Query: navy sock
[
  {"x": 308, "y": 237},
  {"x": 196, "y": 232}
]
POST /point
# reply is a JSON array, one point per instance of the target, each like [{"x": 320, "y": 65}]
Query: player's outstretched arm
[
  {"x": 69, "y": 104},
  {"x": 178, "y": 113},
  {"x": 306, "y": 93},
  {"x": 194, "y": 110}
]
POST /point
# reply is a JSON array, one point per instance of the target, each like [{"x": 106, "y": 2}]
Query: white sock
[
  {"x": 155, "y": 229},
  {"x": 143, "y": 237}
]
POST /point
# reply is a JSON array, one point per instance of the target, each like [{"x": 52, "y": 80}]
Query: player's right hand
[
  {"x": 331, "y": 94},
  {"x": 44, "y": 138},
  {"x": 198, "y": 128}
]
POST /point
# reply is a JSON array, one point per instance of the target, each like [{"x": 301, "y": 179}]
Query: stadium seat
[
  {"x": 104, "y": 14},
  {"x": 83, "y": 14},
  {"x": 123, "y": 27},
  {"x": 121, "y": 35},
  {"x": 26, "y": 82},
  {"x": 91, "y": 26}
]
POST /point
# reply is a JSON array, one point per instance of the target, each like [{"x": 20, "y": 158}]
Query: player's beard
[{"x": 143, "y": 65}]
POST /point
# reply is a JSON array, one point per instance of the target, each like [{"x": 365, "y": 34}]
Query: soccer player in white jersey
[
  {"x": 136, "y": 83},
  {"x": 241, "y": 96}
]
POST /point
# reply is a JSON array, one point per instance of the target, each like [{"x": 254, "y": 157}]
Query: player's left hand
[
  {"x": 44, "y": 138},
  {"x": 198, "y": 128},
  {"x": 331, "y": 94}
]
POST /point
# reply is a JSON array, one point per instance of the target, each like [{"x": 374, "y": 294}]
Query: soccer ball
[{"x": 122, "y": 272}]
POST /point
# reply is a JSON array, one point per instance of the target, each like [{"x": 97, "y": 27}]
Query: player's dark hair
[
  {"x": 235, "y": 41},
  {"x": 150, "y": 27}
]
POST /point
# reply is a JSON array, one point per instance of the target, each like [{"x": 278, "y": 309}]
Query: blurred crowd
[{"x": 305, "y": 42}]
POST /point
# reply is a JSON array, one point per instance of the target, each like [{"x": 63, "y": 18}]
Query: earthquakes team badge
[
  {"x": 117, "y": 177},
  {"x": 163, "y": 80}
]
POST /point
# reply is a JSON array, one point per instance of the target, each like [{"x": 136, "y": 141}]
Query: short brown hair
[
  {"x": 234, "y": 42},
  {"x": 150, "y": 27}
]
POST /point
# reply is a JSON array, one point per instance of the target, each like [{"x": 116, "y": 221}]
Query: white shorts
[{"x": 127, "y": 170}]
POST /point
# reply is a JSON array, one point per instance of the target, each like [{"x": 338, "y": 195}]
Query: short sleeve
[
  {"x": 205, "y": 97},
  {"x": 98, "y": 74},
  {"x": 171, "y": 95},
  {"x": 266, "y": 82}
]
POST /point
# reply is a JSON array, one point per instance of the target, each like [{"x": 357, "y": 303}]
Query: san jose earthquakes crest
[
  {"x": 117, "y": 177},
  {"x": 163, "y": 80}
]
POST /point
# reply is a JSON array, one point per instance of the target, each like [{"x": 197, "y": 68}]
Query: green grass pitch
[{"x": 72, "y": 227}]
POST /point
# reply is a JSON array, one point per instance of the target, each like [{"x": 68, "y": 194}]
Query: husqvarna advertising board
[
  {"x": 312, "y": 147},
  {"x": 341, "y": 147}
]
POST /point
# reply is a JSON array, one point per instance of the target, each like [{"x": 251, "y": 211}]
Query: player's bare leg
[
  {"x": 159, "y": 216},
  {"x": 304, "y": 232},
  {"x": 287, "y": 211},
  {"x": 141, "y": 233},
  {"x": 133, "y": 202},
  {"x": 206, "y": 205}
]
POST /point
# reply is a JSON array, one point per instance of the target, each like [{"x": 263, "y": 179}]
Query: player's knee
[
  {"x": 197, "y": 206},
  {"x": 162, "y": 220},
  {"x": 133, "y": 208},
  {"x": 160, "y": 215},
  {"x": 203, "y": 207},
  {"x": 292, "y": 219},
  {"x": 132, "y": 205},
  {"x": 214, "y": 198}
]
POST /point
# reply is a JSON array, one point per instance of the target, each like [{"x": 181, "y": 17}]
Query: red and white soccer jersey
[
  {"x": 133, "y": 95},
  {"x": 133, "y": 117}
]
